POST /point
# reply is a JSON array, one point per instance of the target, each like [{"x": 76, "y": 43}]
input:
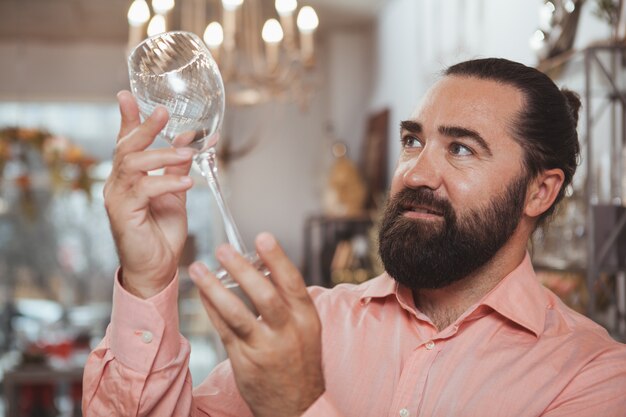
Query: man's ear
[{"x": 542, "y": 191}]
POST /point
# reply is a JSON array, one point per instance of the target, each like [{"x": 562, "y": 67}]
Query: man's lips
[{"x": 420, "y": 211}]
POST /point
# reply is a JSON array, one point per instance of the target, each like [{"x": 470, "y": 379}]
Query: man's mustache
[{"x": 420, "y": 197}]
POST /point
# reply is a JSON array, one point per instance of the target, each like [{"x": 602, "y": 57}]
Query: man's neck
[{"x": 445, "y": 305}]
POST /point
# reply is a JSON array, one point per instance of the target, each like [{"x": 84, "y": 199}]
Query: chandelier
[{"x": 257, "y": 65}]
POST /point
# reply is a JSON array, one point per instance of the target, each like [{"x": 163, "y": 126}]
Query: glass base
[
  {"x": 233, "y": 286},
  {"x": 254, "y": 259}
]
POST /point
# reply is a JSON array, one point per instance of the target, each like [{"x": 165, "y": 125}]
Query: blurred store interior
[{"x": 308, "y": 143}]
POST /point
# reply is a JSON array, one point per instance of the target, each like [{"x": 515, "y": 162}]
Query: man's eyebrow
[
  {"x": 411, "y": 126},
  {"x": 462, "y": 132}
]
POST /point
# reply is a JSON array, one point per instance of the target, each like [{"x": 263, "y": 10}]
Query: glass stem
[{"x": 207, "y": 162}]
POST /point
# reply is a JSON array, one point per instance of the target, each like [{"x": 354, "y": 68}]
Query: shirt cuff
[
  {"x": 322, "y": 407},
  {"x": 144, "y": 334}
]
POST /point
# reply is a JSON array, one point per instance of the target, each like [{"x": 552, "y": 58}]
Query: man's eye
[
  {"x": 411, "y": 142},
  {"x": 460, "y": 150}
]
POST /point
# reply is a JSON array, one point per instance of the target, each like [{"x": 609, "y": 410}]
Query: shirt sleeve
[
  {"x": 141, "y": 366},
  {"x": 598, "y": 390}
]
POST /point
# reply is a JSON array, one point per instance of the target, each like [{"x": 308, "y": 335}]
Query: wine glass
[{"x": 176, "y": 70}]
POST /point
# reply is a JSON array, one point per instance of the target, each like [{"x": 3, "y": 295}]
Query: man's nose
[{"x": 423, "y": 171}]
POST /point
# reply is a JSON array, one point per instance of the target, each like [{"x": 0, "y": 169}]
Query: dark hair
[{"x": 546, "y": 126}]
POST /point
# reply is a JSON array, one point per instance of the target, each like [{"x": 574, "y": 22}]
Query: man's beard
[{"x": 423, "y": 254}]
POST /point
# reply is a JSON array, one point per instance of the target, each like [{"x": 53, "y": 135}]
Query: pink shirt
[{"x": 518, "y": 352}]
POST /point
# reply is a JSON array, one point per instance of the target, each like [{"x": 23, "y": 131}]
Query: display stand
[
  {"x": 322, "y": 236},
  {"x": 606, "y": 234}
]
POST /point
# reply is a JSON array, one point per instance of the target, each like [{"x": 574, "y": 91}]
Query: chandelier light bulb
[
  {"x": 537, "y": 41},
  {"x": 231, "y": 4},
  {"x": 156, "y": 25},
  {"x": 162, "y": 6},
  {"x": 307, "y": 19},
  {"x": 287, "y": 52},
  {"x": 272, "y": 31},
  {"x": 546, "y": 16},
  {"x": 213, "y": 35},
  {"x": 138, "y": 13},
  {"x": 285, "y": 7}
]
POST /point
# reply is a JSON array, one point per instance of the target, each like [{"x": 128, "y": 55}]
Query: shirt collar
[
  {"x": 519, "y": 296},
  {"x": 380, "y": 287}
]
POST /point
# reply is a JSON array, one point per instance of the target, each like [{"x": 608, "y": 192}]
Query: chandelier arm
[
  {"x": 242, "y": 57},
  {"x": 254, "y": 16}
]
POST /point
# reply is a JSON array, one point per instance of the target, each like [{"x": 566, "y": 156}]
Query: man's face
[{"x": 458, "y": 191}]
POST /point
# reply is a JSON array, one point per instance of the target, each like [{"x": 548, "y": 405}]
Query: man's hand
[
  {"x": 277, "y": 359},
  {"x": 147, "y": 213}
]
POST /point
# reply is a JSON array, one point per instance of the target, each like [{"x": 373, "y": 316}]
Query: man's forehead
[{"x": 474, "y": 102}]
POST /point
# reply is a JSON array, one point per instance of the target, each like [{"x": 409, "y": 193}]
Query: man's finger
[
  {"x": 179, "y": 169},
  {"x": 152, "y": 186},
  {"x": 143, "y": 135},
  {"x": 266, "y": 299},
  {"x": 228, "y": 309},
  {"x": 285, "y": 276},
  {"x": 137, "y": 196},
  {"x": 153, "y": 159},
  {"x": 129, "y": 112},
  {"x": 225, "y": 333}
]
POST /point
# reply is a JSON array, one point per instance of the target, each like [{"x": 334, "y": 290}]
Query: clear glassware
[{"x": 177, "y": 71}]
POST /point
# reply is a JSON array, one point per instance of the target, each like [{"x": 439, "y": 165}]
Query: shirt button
[
  {"x": 146, "y": 336},
  {"x": 430, "y": 345},
  {"x": 404, "y": 413}
]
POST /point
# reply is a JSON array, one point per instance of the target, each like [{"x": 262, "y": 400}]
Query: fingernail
[
  {"x": 121, "y": 96},
  {"x": 225, "y": 253},
  {"x": 186, "y": 180},
  {"x": 266, "y": 241},
  {"x": 196, "y": 272},
  {"x": 160, "y": 111},
  {"x": 184, "y": 152}
]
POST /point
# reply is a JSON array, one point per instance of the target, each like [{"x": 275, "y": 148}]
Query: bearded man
[{"x": 457, "y": 325}]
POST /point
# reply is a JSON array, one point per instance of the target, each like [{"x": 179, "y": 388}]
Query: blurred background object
[
  {"x": 63, "y": 62},
  {"x": 260, "y": 60}
]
